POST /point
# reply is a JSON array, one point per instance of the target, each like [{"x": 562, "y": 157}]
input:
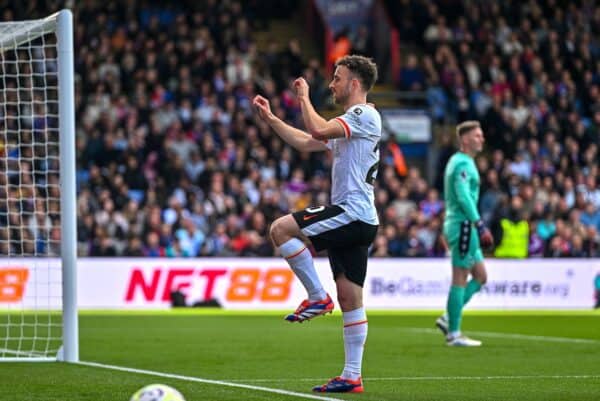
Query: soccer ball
[{"x": 157, "y": 392}]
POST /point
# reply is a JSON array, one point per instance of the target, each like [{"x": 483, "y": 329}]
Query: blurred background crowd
[{"x": 171, "y": 160}]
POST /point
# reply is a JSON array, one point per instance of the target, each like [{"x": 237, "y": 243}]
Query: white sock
[
  {"x": 454, "y": 334},
  {"x": 301, "y": 261},
  {"x": 355, "y": 335}
]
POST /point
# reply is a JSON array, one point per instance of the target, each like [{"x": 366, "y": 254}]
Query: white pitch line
[
  {"x": 432, "y": 378},
  {"x": 509, "y": 335},
  {"x": 208, "y": 381}
]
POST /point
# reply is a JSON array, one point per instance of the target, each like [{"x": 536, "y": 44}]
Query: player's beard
[{"x": 341, "y": 97}]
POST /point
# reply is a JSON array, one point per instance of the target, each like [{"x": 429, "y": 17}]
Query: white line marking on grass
[
  {"x": 207, "y": 381},
  {"x": 484, "y": 377},
  {"x": 510, "y": 335},
  {"x": 434, "y": 378}
]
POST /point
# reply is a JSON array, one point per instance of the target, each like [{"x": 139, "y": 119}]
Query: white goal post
[{"x": 38, "y": 244}]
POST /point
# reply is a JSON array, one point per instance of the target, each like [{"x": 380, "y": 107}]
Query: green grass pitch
[{"x": 525, "y": 356}]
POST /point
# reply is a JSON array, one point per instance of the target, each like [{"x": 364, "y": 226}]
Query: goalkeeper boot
[
  {"x": 442, "y": 324},
  {"x": 309, "y": 309},
  {"x": 462, "y": 341},
  {"x": 341, "y": 385}
]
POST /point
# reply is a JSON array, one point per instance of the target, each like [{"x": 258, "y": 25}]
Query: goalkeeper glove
[{"x": 485, "y": 236}]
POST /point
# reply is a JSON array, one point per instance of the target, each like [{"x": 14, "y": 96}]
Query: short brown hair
[
  {"x": 466, "y": 126},
  {"x": 363, "y": 67}
]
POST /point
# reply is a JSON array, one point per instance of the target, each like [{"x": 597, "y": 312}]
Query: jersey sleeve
[
  {"x": 360, "y": 121},
  {"x": 461, "y": 177}
]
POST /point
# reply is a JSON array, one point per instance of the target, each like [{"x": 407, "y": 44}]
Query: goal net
[{"x": 38, "y": 318}]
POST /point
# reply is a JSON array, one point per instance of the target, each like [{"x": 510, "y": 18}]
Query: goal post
[
  {"x": 38, "y": 238},
  {"x": 66, "y": 118}
]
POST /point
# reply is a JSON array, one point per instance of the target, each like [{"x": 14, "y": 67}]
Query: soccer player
[
  {"x": 348, "y": 226},
  {"x": 464, "y": 231}
]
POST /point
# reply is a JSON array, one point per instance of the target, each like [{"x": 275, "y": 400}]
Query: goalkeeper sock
[
  {"x": 473, "y": 287},
  {"x": 355, "y": 335},
  {"x": 455, "y": 305},
  {"x": 301, "y": 261}
]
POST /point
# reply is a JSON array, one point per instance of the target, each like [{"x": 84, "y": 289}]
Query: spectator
[
  {"x": 512, "y": 232},
  {"x": 380, "y": 247},
  {"x": 153, "y": 247},
  {"x": 535, "y": 248},
  {"x": 190, "y": 238},
  {"x": 591, "y": 216},
  {"x": 412, "y": 77},
  {"x": 341, "y": 46},
  {"x": 431, "y": 206},
  {"x": 362, "y": 42}
]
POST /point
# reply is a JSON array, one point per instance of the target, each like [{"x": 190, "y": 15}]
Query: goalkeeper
[{"x": 464, "y": 231}]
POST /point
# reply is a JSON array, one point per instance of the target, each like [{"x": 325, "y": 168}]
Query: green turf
[{"x": 405, "y": 359}]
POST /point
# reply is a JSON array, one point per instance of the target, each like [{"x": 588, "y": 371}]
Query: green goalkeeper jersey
[{"x": 461, "y": 188}]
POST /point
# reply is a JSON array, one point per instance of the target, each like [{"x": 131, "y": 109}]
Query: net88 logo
[{"x": 244, "y": 284}]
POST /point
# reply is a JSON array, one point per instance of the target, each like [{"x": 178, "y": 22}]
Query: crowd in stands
[
  {"x": 173, "y": 162},
  {"x": 530, "y": 72}
]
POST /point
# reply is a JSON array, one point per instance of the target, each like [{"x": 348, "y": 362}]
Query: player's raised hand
[
  {"x": 263, "y": 107},
  {"x": 301, "y": 87},
  {"x": 486, "y": 238}
]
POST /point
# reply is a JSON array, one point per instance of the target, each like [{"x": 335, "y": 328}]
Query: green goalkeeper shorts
[{"x": 463, "y": 242}]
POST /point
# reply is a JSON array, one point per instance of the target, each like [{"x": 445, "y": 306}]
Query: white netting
[{"x": 30, "y": 268}]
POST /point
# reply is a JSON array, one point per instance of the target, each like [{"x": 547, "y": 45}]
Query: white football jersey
[{"x": 355, "y": 162}]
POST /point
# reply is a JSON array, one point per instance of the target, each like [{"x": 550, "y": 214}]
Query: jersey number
[{"x": 372, "y": 173}]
